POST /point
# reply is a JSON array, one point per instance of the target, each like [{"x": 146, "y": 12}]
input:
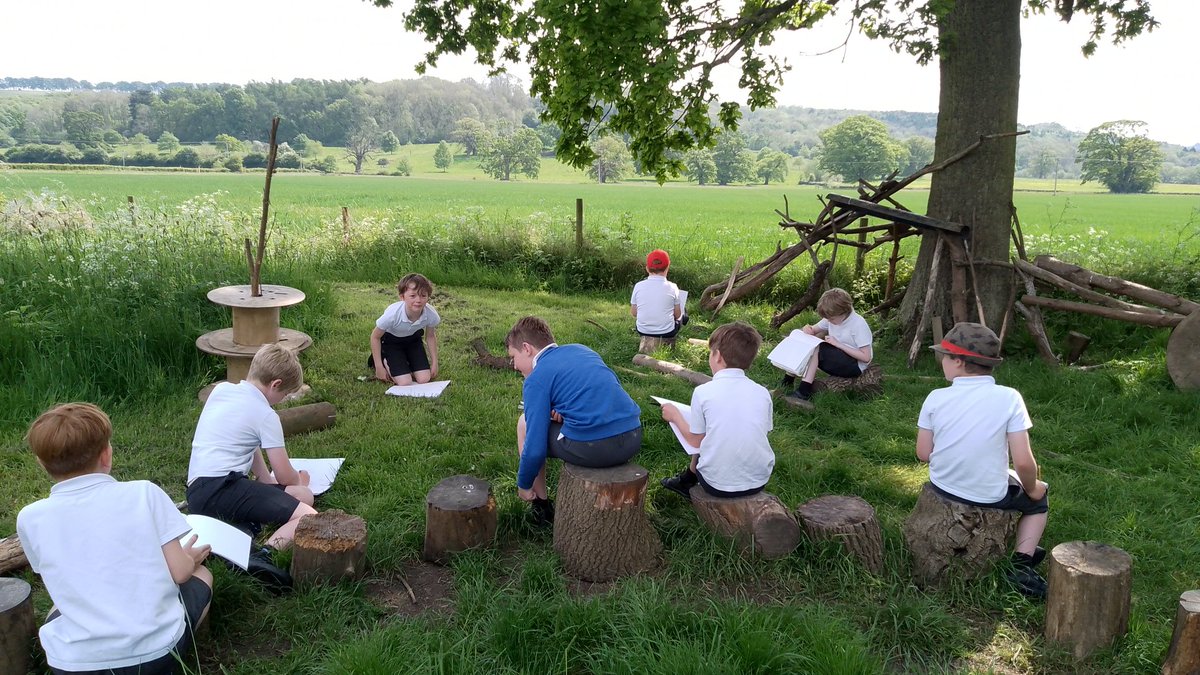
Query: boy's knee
[
  {"x": 421, "y": 377},
  {"x": 402, "y": 380},
  {"x": 301, "y": 511},
  {"x": 204, "y": 575}
]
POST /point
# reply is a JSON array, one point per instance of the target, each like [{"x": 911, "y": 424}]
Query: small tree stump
[
  {"x": 12, "y": 555},
  {"x": 329, "y": 547},
  {"x": 601, "y": 531},
  {"x": 760, "y": 524},
  {"x": 16, "y": 626},
  {"x": 948, "y": 538},
  {"x": 1076, "y": 343},
  {"x": 1184, "y": 656},
  {"x": 869, "y": 383},
  {"x": 848, "y": 519},
  {"x": 1183, "y": 353},
  {"x": 647, "y": 345},
  {"x": 1088, "y": 603},
  {"x": 460, "y": 513}
]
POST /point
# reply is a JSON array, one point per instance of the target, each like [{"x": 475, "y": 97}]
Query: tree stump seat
[
  {"x": 869, "y": 383},
  {"x": 1087, "y": 606},
  {"x": 849, "y": 520},
  {"x": 601, "y": 531},
  {"x": 329, "y": 546},
  {"x": 17, "y": 626},
  {"x": 950, "y": 539},
  {"x": 460, "y": 514},
  {"x": 759, "y": 524},
  {"x": 647, "y": 344},
  {"x": 1184, "y": 655}
]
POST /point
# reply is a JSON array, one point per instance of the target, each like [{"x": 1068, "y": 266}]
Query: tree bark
[
  {"x": 1183, "y": 353},
  {"x": 1184, "y": 656},
  {"x": 601, "y": 531},
  {"x": 1144, "y": 318},
  {"x": 1088, "y": 603},
  {"x": 869, "y": 383},
  {"x": 848, "y": 520},
  {"x": 305, "y": 418},
  {"x": 980, "y": 74},
  {"x": 460, "y": 513},
  {"x": 329, "y": 547},
  {"x": 647, "y": 345},
  {"x": 760, "y": 524},
  {"x": 950, "y": 539},
  {"x": 17, "y": 626},
  {"x": 12, "y": 555},
  {"x": 1086, "y": 277}
]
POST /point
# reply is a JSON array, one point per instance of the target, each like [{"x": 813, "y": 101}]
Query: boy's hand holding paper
[
  {"x": 792, "y": 354},
  {"x": 684, "y": 411}
]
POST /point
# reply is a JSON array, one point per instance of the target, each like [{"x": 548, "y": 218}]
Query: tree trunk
[
  {"x": 980, "y": 76},
  {"x": 329, "y": 547},
  {"x": 601, "y": 531},
  {"x": 951, "y": 539},
  {"x": 460, "y": 513},
  {"x": 760, "y": 524},
  {"x": 17, "y": 626},
  {"x": 848, "y": 520},
  {"x": 1088, "y": 604},
  {"x": 12, "y": 555}
]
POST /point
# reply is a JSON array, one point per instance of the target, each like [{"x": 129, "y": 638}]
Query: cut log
[
  {"x": 1144, "y": 318},
  {"x": 698, "y": 342},
  {"x": 647, "y": 344},
  {"x": 1183, "y": 354},
  {"x": 1184, "y": 655},
  {"x": 1056, "y": 281},
  {"x": 949, "y": 539},
  {"x": 808, "y": 298},
  {"x": 759, "y": 524},
  {"x": 1129, "y": 289},
  {"x": 17, "y": 626},
  {"x": 601, "y": 531},
  {"x": 1088, "y": 603},
  {"x": 329, "y": 547},
  {"x": 487, "y": 359},
  {"x": 869, "y": 383},
  {"x": 1076, "y": 344},
  {"x": 671, "y": 369},
  {"x": 460, "y": 513},
  {"x": 12, "y": 556},
  {"x": 848, "y": 520},
  {"x": 305, "y": 418}
]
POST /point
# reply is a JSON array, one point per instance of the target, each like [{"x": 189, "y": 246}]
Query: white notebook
[
  {"x": 792, "y": 354},
  {"x": 226, "y": 540},
  {"x": 687, "y": 414},
  {"x": 427, "y": 390}
]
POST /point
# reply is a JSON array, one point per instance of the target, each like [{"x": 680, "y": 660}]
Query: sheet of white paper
[
  {"x": 792, "y": 354},
  {"x": 321, "y": 472},
  {"x": 683, "y": 300},
  {"x": 687, "y": 413},
  {"x": 226, "y": 540},
  {"x": 427, "y": 390}
]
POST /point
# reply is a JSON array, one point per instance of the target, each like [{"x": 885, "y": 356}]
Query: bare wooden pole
[
  {"x": 1144, "y": 318},
  {"x": 919, "y": 334},
  {"x": 860, "y": 255},
  {"x": 256, "y": 264},
  {"x": 345, "y": 224},
  {"x": 579, "y": 224}
]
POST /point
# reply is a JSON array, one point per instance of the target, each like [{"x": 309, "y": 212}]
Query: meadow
[{"x": 100, "y": 302}]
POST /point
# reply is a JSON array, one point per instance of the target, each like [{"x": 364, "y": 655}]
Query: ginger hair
[{"x": 68, "y": 439}]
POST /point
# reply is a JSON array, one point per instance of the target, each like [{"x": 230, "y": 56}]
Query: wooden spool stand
[
  {"x": 1088, "y": 603},
  {"x": 869, "y": 383},
  {"x": 329, "y": 547},
  {"x": 1184, "y": 656},
  {"x": 647, "y": 345},
  {"x": 17, "y": 627},
  {"x": 760, "y": 524},
  {"x": 601, "y": 531},
  {"x": 255, "y": 323},
  {"x": 460, "y": 513},
  {"x": 949, "y": 539},
  {"x": 849, "y": 520}
]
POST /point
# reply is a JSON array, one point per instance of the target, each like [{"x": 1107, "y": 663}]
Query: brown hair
[
  {"x": 738, "y": 343},
  {"x": 834, "y": 302},
  {"x": 529, "y": 329},
  {"x": 69, "y": 438},
  {"x": 276, "y": 362},
  {"x": 419, "y": 282},
  {"x": 973, "y": 368}
]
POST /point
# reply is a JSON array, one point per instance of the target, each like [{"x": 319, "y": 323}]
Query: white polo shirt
[
  {"x": 395, "y": 320},
  {"x": 236, "y": 421},
  {"x": 98, "y": 545},
  {"x": 734, "y": 413},
  {"x": 970, "y": 421},
  {"x": 655, "y": 298},
  {"x": 854, "y": 332}
]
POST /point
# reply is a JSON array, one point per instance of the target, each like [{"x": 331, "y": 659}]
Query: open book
[
  {"x": 687, "y": 414},
  {"x": 226, "y": 540},
  {"x": 792, "y": 354}
]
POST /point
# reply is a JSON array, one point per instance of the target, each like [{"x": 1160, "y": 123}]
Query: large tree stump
[
  {"x": 329, "y": 547},
  {"x": 12, "y": 555},
  {"x": 869, "y": 383},
  {"x": 17, "y": 627},
  {"x": 947, "y": 538},
  {"x": 849, "y": 520},
  {"x": 648, "y": 344},
  {"x": 759, "y": 524},
  {"x": 601, "y": 531},
  {"x": 1183, "y": 353},
  {"x": 1184, "y": 656},
  {"x": 460, "y": 513},
  {"x": 302, "y": 419},
  {"x": 1088, "y": 603}
]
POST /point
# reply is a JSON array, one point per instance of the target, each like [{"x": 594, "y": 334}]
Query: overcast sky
[{"x": 1152, "y": 78}]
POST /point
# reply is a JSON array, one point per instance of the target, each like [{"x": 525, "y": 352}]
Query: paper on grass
[
  {"x": 226, "y": 540},
  {"x": 427, "y": 390},
  {"x": 686, "y": 410},
  {"x": 321, "y": 472},
  {"x": 792, "y": 354}
]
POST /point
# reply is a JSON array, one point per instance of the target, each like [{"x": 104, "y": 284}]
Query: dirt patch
[{"x": 430, "y": 588}]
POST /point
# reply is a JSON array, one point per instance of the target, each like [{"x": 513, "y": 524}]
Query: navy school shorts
[
  {"x": 403, "y": 355},
  {"x": 237, "y": 499}
]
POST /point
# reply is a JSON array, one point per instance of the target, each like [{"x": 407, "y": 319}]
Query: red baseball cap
[{"x": 658, "y": 260}]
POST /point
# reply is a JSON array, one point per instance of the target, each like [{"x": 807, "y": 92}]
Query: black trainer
[
  {"x": 541, "y": 512},
  {"x": 681, "y": 483},
  {"x": 262, "y": 567},
  {"x": 1028, "y": 582}
]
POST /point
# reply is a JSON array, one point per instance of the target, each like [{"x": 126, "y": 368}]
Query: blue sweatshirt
[{"x": 572, "y": 380}]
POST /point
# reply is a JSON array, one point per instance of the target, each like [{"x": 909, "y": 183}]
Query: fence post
[
  {"x": 579, "y": 224},
  {"x": 860, "y": 254}
]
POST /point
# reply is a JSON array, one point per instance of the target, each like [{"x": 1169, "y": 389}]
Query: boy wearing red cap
[
  {"x": 655, "y": 303},
  {"x": 968, "y": 431}
]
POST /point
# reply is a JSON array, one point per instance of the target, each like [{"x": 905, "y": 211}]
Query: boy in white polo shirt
[
  {"x": 730, "y": 419},
  {"x": 397, "y": 356},
  {"x": 655, "y": 302},
  {"x": 969, "y": 430},
  {"x": 127, "y": 594},
  {"x": 846, "y": 350}
]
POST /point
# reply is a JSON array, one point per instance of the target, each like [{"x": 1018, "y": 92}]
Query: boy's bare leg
[
  {"x": 204, "y": 575},
  {"x": 286, "y": 532},
  {"x": 1029, "y": 532},
  {"x": 302, "y": 493},
  {"x": 539, "y": 483},
  {"x": 402, "y": 380},
  {"x": 811, "y": 373},
  {"x": 421, "y": 376}
]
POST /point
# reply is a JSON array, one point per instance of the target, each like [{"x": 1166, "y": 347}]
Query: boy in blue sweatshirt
[{"x": 575, "y": 410}]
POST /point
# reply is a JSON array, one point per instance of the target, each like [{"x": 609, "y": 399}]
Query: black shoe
[
  {"x": 681, "y": 483},
  {"x": 1028, "y": 582},
  {"x": 541, "y": 513},
  {"x": 788, "y": 381},
  {"x": 1030, "y": 561},
  {"x": 1039, "y": 554},
  {"x": 683, "y": 320},
  {"x": 262, "y": 567},
  {"x": 798, "y": 399}
]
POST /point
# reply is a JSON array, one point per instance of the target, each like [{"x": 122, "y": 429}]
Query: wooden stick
[
  {"x": 729, "y": 286},
  {"x": 671, "y": 369},
  {"x": 890, "y": 303},
  {"x": 929, "y": 290},
  {"x": 808, "y": 298},
  {"x": 596, "y": 325},
  {"x": 1072, "y": 287},
  {"x": 1159, "y": 320},
  {"x": 1008, "y": 309},
  {"x": 256, "y": 267},
  {"x": 1130, "y": 289},
  {"x": 1033, "y": 321}
]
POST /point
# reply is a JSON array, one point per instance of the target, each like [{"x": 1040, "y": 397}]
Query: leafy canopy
[
  {"x": 860, "y": 147},
  {"x": 1119, "y": 155}
]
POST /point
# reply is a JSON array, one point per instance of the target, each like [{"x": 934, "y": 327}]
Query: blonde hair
[
  {"x": 276, "y": 362},
  {"x": 834, "y": 302},
  {"x": 529, "y": 329},
  {"x": 69, "y": 438},
  {"x": 738, "y": 343},
  {"x": 419, "y": 282}
]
